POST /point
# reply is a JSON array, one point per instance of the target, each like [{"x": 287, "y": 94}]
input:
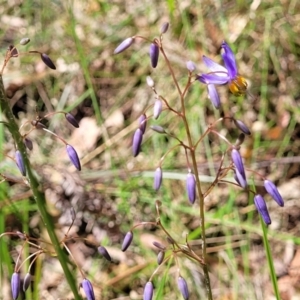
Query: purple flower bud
[
  {"x": 191, "y": 187},
  {"x": 20, "y": 162},
  {"x": 136, "y": 142},
  {"x": 154, "y": 53},
  {"x": 239, "y": 167},
  {"x": 160, "y": 257},
  {"x": 15, "y": 285},
  {"x": 88, "y": 289},
  {"x": 71, "y": 119},
  {"x": 47, "y": 61},
  {"x": 183, "y": 288},
  {"x": 159, "y": 245},
  {"x": 143, "y": 123},
  {"x": 157, "y": 108},
  {"x": 127, "y": 241},
  {"x": 273, "y": 191},
  {"x": 26, "y": 282},
  {"x": 124, "y": 45},
  {"x": 28, "y": 143},
  {"x": 150, "y": 81},
  {"x": 164, "y": 27},
  {"x": 190, "y": 66},
  {"x": 102, "y": 250},
  {"x": 24, "y": 41},
  {"x": 158, "y": 129},
  {"x": 73, "y": 157},
  {"x": 242, "y": 127},
  {"x": 262, "y": 208},
  {"x": 157, "y": 179},
  {"x": 148, "y": 291}
]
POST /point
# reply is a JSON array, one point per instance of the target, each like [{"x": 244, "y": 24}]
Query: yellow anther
[{"x": 238, "y": 86}]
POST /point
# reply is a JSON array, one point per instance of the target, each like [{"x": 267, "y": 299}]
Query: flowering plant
[{"x": 196, "y": 193}]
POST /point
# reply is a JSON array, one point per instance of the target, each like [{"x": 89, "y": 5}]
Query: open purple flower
[
  {"x": 220, "y": 75},
  {"x": 262, "y": 208},
  {"x": 88, "y": 289}
]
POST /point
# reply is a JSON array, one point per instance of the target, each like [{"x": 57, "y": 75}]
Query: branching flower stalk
[
  {"x": 218, "y": 75},
  {"x": 195, "y": 169},
  {"x": 31, "y": 179},
  {"x": 36, "y": 189}
]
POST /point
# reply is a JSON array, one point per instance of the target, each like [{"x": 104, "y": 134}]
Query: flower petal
[
  {"x": 229, "y": 60},
  {"x": 239, "y": 167},
  {"x": 213, "y": 79},
  {"x": 215, "y": 67},
  {"x": 213, "y": 96}
]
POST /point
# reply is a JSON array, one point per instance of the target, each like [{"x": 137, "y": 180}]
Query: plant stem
[
  {"x": 270, "y": 259},
  {"x": 36, "y": 189},
  {"x": 195, "y": 169}
]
